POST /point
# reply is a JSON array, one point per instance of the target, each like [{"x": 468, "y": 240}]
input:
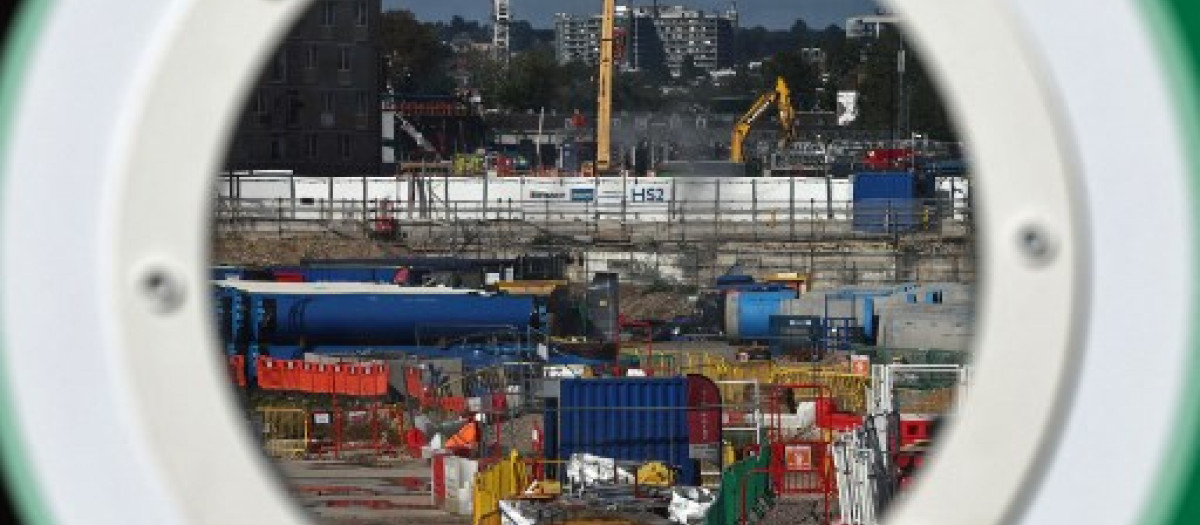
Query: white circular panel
[
  {"x": 126, "y": 416},
  {"x": 1030, "y": 310},
  {"x": 107, "y": 315}
]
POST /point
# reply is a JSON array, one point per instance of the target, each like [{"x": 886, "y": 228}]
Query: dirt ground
[{"x": 291, "y": 249}]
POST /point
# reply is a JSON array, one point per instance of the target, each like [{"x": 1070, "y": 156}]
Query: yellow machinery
[
  {"x": 655, "y": 474},
  {"x": 800, "y": 282},
  {"x": 535, "y": 288},
  {"x": 604, "y": 111},
  {"x": 782, "y": 98}
]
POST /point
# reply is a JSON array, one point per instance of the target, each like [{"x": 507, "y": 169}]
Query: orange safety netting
[{"x": 368, "y": 379}]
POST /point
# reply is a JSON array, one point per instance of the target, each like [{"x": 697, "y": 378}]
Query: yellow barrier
[
  {"x": 658, "y": 364},
  {"x": 284, "y": 432},
  {"x": 848, "y": 390},
  {"x": 916, "y": 401},
  {"x": 503, "y": 480}
]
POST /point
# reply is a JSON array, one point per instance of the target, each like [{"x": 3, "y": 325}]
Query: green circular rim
[
  {"x": 1175, "y": 27},
  {"x": 1178, "y": 37},
  {"x": 20, "y": 480}
]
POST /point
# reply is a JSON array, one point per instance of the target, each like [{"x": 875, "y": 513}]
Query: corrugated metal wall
[
  {"x": 627, "y": 419},
  {"x": 885, "y": 202}
]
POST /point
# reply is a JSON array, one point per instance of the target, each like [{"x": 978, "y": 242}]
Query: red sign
[
  {"x": 860, "y": 365},
  {"x": 798, "y": 458}
]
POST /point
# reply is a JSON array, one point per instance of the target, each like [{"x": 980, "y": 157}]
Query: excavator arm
[
  {"x": 787, "y": 112},
  {"x": 782, "y": 98}
]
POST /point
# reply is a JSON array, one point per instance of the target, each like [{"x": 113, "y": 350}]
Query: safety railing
[
  {"x": 284, "y": 432},
  {"x": 652, "y": 364},
  {"x": 918, "y": 389},
  {"x": 761, "y": 218},
  {"x": 848, "y": 390},
  {"x": 376, "y": 430}
]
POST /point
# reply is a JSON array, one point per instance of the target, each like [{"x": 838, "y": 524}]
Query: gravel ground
[
  {"x": 797, "y": 512},
  {"x": 291, "y": 249}
]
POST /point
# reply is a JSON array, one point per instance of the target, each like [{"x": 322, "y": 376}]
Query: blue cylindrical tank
[
  {"x": 748, "y": 312},
  {"x": 383, "y": 319}
]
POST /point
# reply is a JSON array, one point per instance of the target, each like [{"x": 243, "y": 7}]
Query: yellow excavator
[{"x": 782, "y": 98}]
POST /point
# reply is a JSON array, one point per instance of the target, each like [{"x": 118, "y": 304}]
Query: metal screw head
[
  {"x": 1036, "y": 244},
  {"x": 162, "y": 289}
]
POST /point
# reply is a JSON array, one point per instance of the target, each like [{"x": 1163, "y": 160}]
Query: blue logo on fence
[{"x": 583, "y": 194}]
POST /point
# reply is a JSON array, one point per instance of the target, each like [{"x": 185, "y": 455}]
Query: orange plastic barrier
[
  {"x": 270, "y": 375},
  {"x": 342, "y": 379}
]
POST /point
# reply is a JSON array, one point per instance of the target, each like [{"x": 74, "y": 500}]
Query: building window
[
  {"x": 328, "y": 14},
  {"x": 345, "y": 140},
  {"x": 311, "y": 62},
  {"x": 327, "y": 102},
  {"x": 362, "y": 103},
  {"x": 260, "y": 102},
  {"x": 294, "y": 107},
  {"x": 312, "y": 146},
  {"x": 276, "y": 148},
  {"x": 361, "y": 16},
  {"x": 279, "y": 67},
  {"x": 344, "y": 59}
]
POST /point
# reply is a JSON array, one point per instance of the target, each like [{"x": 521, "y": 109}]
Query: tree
[
  {"x": 460, "y": 27},
  {"x": 577, "y": 88},
  {"x": 636, "y": 92},
  {"x": 415, "y": 60},
  {"x": 487, "y": 74},
  {"x": 533, "y": 80},
  {"x": 688, "y": 71},
  {"x": 800, "y": 34},
  {"x": 758, "y": 43},
  {"x": 879, "y": 91},
  {"x": 800, "y": 76}
]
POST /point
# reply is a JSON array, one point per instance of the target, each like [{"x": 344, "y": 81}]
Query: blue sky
[{"x": 773, "y": 14}]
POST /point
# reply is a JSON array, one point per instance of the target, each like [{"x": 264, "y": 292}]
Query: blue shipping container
[
  {"x": 748, "y": 313},
  {"x": 885, "y": 203},
  {"x": 635, "y": 420}
]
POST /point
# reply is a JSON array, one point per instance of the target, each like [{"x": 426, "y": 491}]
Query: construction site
[{"x": 613, "y": 317}]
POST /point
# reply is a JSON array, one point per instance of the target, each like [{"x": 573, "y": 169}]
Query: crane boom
[
  {"x": 604, "y": 91},
  {"x": 782, "y": 98}
]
